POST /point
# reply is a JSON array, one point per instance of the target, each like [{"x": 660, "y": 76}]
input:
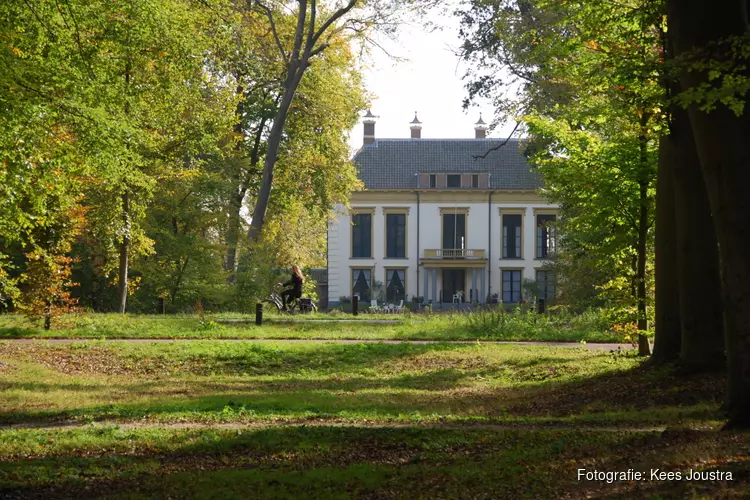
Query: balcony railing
[{"x": 453, "y": 253}]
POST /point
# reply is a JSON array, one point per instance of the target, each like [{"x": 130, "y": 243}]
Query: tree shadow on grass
[
  {"x": 639, "y": 396},
  {"x": 446, "y": 387},
  {"x": 362, "y": 381},
  {"x": 634, "y": 390},
  {"x": 375, "y": 463}
]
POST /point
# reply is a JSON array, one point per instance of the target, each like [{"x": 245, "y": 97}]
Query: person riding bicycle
[{"x": 295, "y": 292}]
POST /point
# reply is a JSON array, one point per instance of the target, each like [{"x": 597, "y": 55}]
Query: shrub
[{"x": 46, "y": 287}]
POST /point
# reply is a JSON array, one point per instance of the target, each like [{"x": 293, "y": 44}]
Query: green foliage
[
  {"x": 46, "y": 288},
  {"x": 498, "y": 323},
  {"x": 309, "y": 289},
  {"x": 8, "y": 286},
  {"x": 591, "y": 99},
  {"x": 152, "y": 120},
  {"x": 726, "y": 82}
]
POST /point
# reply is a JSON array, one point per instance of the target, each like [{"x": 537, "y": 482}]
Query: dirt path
[
  {"x": 498, "y": 426},
  {"x": 588, "y": 346}
]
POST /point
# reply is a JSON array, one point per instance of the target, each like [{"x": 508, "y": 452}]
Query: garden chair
[
  {"x": 374, "y": 307},
  {"x": 399, "y": 308}
]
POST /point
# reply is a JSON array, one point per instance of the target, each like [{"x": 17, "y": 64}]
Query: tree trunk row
[{"x": 710, "y": 178}]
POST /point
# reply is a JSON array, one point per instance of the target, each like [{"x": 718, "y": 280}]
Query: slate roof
[{"x": 393, "y": 163}]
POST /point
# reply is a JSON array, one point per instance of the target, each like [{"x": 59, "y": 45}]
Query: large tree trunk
[
  {"x": 306, "y": 46},
  {"x": 122, "y": 275},
  {"x": 238, "y": 193},
  {"x": 667, "y": 312},
  {"x": 238, "y": 196},
  {"x": 702, "y": 346},
  {"x": 643, "y": 346},
  {"x": 233, "y": 232},
  {"x": 722, "y": 143},
  {"x": 178, "y": 280},
  {"x": 274, "y": 141}
]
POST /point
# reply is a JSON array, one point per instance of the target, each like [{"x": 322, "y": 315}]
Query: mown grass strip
[{"x": 474, "y": 326}]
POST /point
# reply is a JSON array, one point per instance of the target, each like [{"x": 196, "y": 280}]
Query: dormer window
[{"x": 453, "y": 181}]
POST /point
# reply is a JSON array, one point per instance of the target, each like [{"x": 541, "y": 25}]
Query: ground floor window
[
  {"x": 545, "y": 282},
  {"x": 511, "y": 287},
  {"x": 361, "y": 283},
  {"x": 395, "y": 290}
]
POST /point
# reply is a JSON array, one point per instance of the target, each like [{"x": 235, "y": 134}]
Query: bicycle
[{"x": 301, "y": 305}]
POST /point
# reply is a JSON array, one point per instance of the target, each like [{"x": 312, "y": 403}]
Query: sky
[{"x": 428, "y": 82}]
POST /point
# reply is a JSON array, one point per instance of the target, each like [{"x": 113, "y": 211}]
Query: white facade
[{"x": 478, "y": 263}]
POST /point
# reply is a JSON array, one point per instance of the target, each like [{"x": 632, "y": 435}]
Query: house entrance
[{"x": 453, "y": 281}]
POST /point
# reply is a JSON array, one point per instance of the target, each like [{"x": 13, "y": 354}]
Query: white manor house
[{"x": 443, "y": 219}]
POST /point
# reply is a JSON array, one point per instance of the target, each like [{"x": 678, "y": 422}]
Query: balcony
[{"x": 454, "y": 253}]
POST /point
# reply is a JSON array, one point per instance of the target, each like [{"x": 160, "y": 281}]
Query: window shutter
[
  {"x": 424, "y": 180},
  {"x": 465, "y": 180},
  {"x": 484, "y": 181},
  {"x": 442, "y": 180}
]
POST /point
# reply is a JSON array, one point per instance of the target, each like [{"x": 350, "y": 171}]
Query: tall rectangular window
[
  {"x": 545, "y": 283},
  {"x": 511, "y": 287},
  {"x": 362, "y": 235},
  {"x": 395, "y": 287},
  {"x": 454, "y": 231},
  {"x": 545, "y": 236},
  {"x": 511, "y": 236},
  {"x": 475, "y": 180},
  {"x": 361, "y": 283},
  {"x": 433, "y": 180},
  {"x": 454, "y": 180},
  {"x": 395, "y": 228}
]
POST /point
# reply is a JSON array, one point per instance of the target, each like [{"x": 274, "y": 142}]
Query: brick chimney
[
  {"x": 480, "y": 129},
  {"x": 416, "y": 127},
  {"x": 369, "y": 122}
]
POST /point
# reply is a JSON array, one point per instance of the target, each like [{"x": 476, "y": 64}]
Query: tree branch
[
  {"x": 301, "y": 15},
  {"x": 52, "y": 34},
  {"x": 335, "y": 17},
  {"x": 92, "y": 75},
  {"x": 318, "y": 49},
  {"x": 311, "y": 28},
  {"x": 53, "y": 101},
  {"x": 269, "y": 14},
  {"x": 477, "y": 157},
  {"x": 624, "y": 211}
]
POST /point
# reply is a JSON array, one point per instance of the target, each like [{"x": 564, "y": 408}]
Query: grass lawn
[
  {"x": 209, "y": 419},
  {"x": 477, "y": 326}
]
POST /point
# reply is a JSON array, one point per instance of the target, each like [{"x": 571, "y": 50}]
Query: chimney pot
[
  {"x": 416, "y": 127},
  {"x": 480, "y": 128},
  {"x": 369, "y": 125}
]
